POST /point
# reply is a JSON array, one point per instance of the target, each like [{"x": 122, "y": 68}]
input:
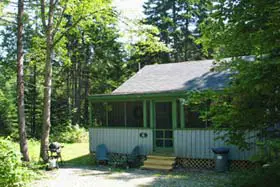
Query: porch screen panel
[
  {"x": 116, "y": 116},
  {"x": 192, "y": 119},
  {"x": 134, "y": 114},
  {"x": 178, "y": 106},
  {"x": 148, "y": 113},
  {"x": 99, "y": 114}
]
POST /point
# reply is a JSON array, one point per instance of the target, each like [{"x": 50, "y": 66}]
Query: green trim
[
  {"x": 208, "y": 128},
  {"x": 90, "y": 115},
  {"x": 174, "y": 114},
  {"x": 182, "y": 114},
  {"x": 145, "y": 114},
  {"x": 133, "y": 97},
  {"x": 185, "y": 129},
  {"x": 152, "y": 114},
  {"x": 121, "y": 128}
]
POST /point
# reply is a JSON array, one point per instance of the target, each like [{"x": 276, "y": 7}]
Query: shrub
[
  {"x": 258, "y": 177},
  {"x": 268, "y": 171},
  {"x": 70, "y": 134},
  {"x": 12, "y": 171}
]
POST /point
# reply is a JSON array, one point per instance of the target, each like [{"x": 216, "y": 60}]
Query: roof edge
[{"x": 133, "y": 96}]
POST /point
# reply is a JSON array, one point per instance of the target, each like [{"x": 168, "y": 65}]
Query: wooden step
[
  {"x": 157, "y": 167},
  {"x": 159, "y": 162},
  {"x": 157, "y": 157}
]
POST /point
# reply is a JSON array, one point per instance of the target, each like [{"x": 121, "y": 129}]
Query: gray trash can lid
[{"x": 220, "y": 150}]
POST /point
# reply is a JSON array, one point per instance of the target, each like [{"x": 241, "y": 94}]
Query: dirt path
[{"x": 104, "y": 177}]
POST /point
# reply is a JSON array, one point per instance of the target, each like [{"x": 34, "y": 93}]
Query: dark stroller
[{"x": 54, "y": 154}]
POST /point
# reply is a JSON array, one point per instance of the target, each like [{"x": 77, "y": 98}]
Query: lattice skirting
[
  {"x": 192, "y": 163},
  {"x": 114, "y": 157},
  {"x": 118, "y": 159}
]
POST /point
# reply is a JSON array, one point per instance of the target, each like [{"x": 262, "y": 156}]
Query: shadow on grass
[{"x": 82, "y": 161}]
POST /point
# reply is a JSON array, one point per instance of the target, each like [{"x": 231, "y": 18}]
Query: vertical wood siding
[
  {"x": 187, "y": 143},
  {"x": 121, "y": 140},
  {"x": 198, "y": 144}
]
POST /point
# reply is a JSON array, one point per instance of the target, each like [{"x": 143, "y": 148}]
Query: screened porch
[
  {"x": 163, "y": 124},
  {"x": 145, "y": 114}
]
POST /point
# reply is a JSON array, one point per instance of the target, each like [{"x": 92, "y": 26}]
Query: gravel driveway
[{"x": 105, "y": 177}]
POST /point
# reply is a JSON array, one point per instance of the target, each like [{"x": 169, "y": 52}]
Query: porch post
[
  {"x": 90, "y": 114},
  {"x": 174, "y": 114},
  {"x": 145, "y": 114},
  {"x": 151, "y": 114},
  {"x": 182, "y": 116}
]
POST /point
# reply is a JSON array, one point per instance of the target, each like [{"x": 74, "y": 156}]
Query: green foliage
[
  {"x": 7, "y": 105},
  {"x": 12, "y": 171},
  {"x": 177, "y": 21},
  {"x": 148, "y": 49},
  {"x": 251, "y": 101},
  {"x": 87, "y": 60},
  {"x": 259, "y": 177},
  {"x": 69, "y": 134},
  {"x": 240, "y": 27},
  {"x": 268, "y": 152},
  {"x": 2, "y": 5}
]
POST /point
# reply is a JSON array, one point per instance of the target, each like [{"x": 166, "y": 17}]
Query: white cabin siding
[
  {"x": 198, "y": 143},
  {"x": 121, "y": 140}
]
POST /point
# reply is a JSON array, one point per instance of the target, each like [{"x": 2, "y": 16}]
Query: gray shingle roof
[{"x": 183, "y": 76}]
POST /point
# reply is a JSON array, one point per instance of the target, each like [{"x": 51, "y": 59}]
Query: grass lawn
[{"x": 76, "y": 154}]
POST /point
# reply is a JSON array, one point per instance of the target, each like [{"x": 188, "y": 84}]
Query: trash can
[{"x": 221, "y": 158}]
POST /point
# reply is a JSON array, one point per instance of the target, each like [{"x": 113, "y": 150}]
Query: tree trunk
[
  {"x": 34, "y": 99},
  {"x": 86, "y": 105},
  {"x": 48, "y": 85},
  {"x": 20, "y": 83},
  {"x": 79, "y": 88},
  {"x": 68, "y": 94}
]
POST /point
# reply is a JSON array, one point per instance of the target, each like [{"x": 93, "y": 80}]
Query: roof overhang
[{"x": 136, "y": 96}]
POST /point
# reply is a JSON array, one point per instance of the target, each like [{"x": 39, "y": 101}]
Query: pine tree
[{"x": 177, "y": 21}]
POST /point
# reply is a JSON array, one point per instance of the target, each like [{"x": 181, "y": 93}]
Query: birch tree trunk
[
  {"x": 20, "y": 83},
  {"x": 48, "y": 82}
]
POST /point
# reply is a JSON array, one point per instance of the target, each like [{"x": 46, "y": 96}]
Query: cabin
[{"x": 148, "y": 110}]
